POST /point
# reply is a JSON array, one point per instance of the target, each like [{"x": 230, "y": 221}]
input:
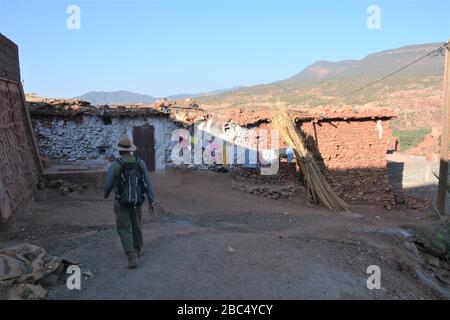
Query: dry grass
[{"x": 316, "y": 184}]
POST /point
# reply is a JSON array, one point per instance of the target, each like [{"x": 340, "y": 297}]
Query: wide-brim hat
[{"x": 124, "y": 144}]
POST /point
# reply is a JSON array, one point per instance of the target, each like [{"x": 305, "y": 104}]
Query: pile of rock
[
  {"x": 287, "y": 183},
  {"x": 271, "y": 191},
  {"x": 69, "y": 106},
  {"x": 433, "y": 247},
  {"x": 64, "y": 187},
  {"x": 286, "y": 174},
  {"x": 182, "y": 103},
  {"x": 368, "y": 186},
  {"x": 282, "y": 185},
  {"x": 411, "y": 202}
]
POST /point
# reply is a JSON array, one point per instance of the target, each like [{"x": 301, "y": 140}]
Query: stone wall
[
  {"x": 19, "y": 162},
  {"x": 415, "y": 177},
  {"x": 343, "y": 145},
  {"x": 353, "y": 155},
  {"x": 89, "y": 138},
  {"x": 9, "y": 59},
  {"x": 79, "y": 139}
]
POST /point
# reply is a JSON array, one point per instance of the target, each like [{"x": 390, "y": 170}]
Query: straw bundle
[{"x": 317, "y": 186}]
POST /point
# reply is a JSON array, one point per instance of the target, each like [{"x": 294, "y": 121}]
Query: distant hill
[
  {"x": 203, "y": 94},
  {"x": 376, "y": 64},
  {"x": 126, "y": 97},
  {"x": 116, "y": 97},
  {"x": 324, "y": 70}
]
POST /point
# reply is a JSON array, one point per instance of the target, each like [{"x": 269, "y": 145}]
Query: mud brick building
[
  {"x": 349, "y": 145},
  {"x": 72, "y": 131},
  {"x": 352, "y": 146},
  {"x": 20, "y": 165}
]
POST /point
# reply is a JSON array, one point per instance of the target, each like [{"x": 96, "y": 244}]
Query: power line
[{"x": 436, "y": 51}]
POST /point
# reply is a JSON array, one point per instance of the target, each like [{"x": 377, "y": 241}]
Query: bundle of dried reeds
[{"x": 316, "y": 184}]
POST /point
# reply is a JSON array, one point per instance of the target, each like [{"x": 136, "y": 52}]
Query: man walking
[{"x": 129, "y": 177}]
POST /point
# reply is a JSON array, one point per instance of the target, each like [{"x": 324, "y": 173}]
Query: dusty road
[{"x": 208, "y": 241}]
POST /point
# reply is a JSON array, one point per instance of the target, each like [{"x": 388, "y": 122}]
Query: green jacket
[{"x": 112, "y": 176}]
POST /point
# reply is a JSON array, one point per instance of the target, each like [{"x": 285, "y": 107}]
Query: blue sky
[{"x": 164, "y": 47}]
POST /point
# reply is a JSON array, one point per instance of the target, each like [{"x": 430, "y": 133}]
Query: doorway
[{"x": 144, "y": 139}]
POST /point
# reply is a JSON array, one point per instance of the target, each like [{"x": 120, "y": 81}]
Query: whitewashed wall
[{"x": 83, "y": 138}]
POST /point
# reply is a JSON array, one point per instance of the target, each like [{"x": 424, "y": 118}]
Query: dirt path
[{"x": 209, "y": 241}]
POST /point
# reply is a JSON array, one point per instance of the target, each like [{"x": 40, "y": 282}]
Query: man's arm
[
  {"x": 149, "y": 191},
  {"x": 109, "y": 179}
]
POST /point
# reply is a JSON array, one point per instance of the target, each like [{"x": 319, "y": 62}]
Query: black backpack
[{"x": 131, "y": 185}]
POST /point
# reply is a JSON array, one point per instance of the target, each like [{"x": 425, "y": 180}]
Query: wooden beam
[{"x": 443, "y": 167}]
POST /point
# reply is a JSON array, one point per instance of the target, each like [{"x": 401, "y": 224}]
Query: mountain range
[
  {"x": 376, "y": 64},
  {"x": 115, "y": 97},
  {"x": 415, "y": 92},
  {"x": 127, "y": 97}
]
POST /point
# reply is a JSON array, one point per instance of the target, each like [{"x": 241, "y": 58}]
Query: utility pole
[{"x": 443, "y": 166}]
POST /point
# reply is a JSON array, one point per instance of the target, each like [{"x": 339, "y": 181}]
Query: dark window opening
[
  {"x": 102, "y": 150},
  {"x": 106, "y": 120}
]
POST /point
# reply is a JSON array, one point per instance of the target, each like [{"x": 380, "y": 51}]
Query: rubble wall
[
  {"x": 353, "y": 144},
  {"x": 89, "y": 138},
  {"x": 19, "y": 163},
  {"x": 9, "y": 59},
  {"x": 353, "y": 155}
]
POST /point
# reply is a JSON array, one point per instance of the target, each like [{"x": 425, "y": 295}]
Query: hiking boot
[{"x": 132, "y": 264}]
